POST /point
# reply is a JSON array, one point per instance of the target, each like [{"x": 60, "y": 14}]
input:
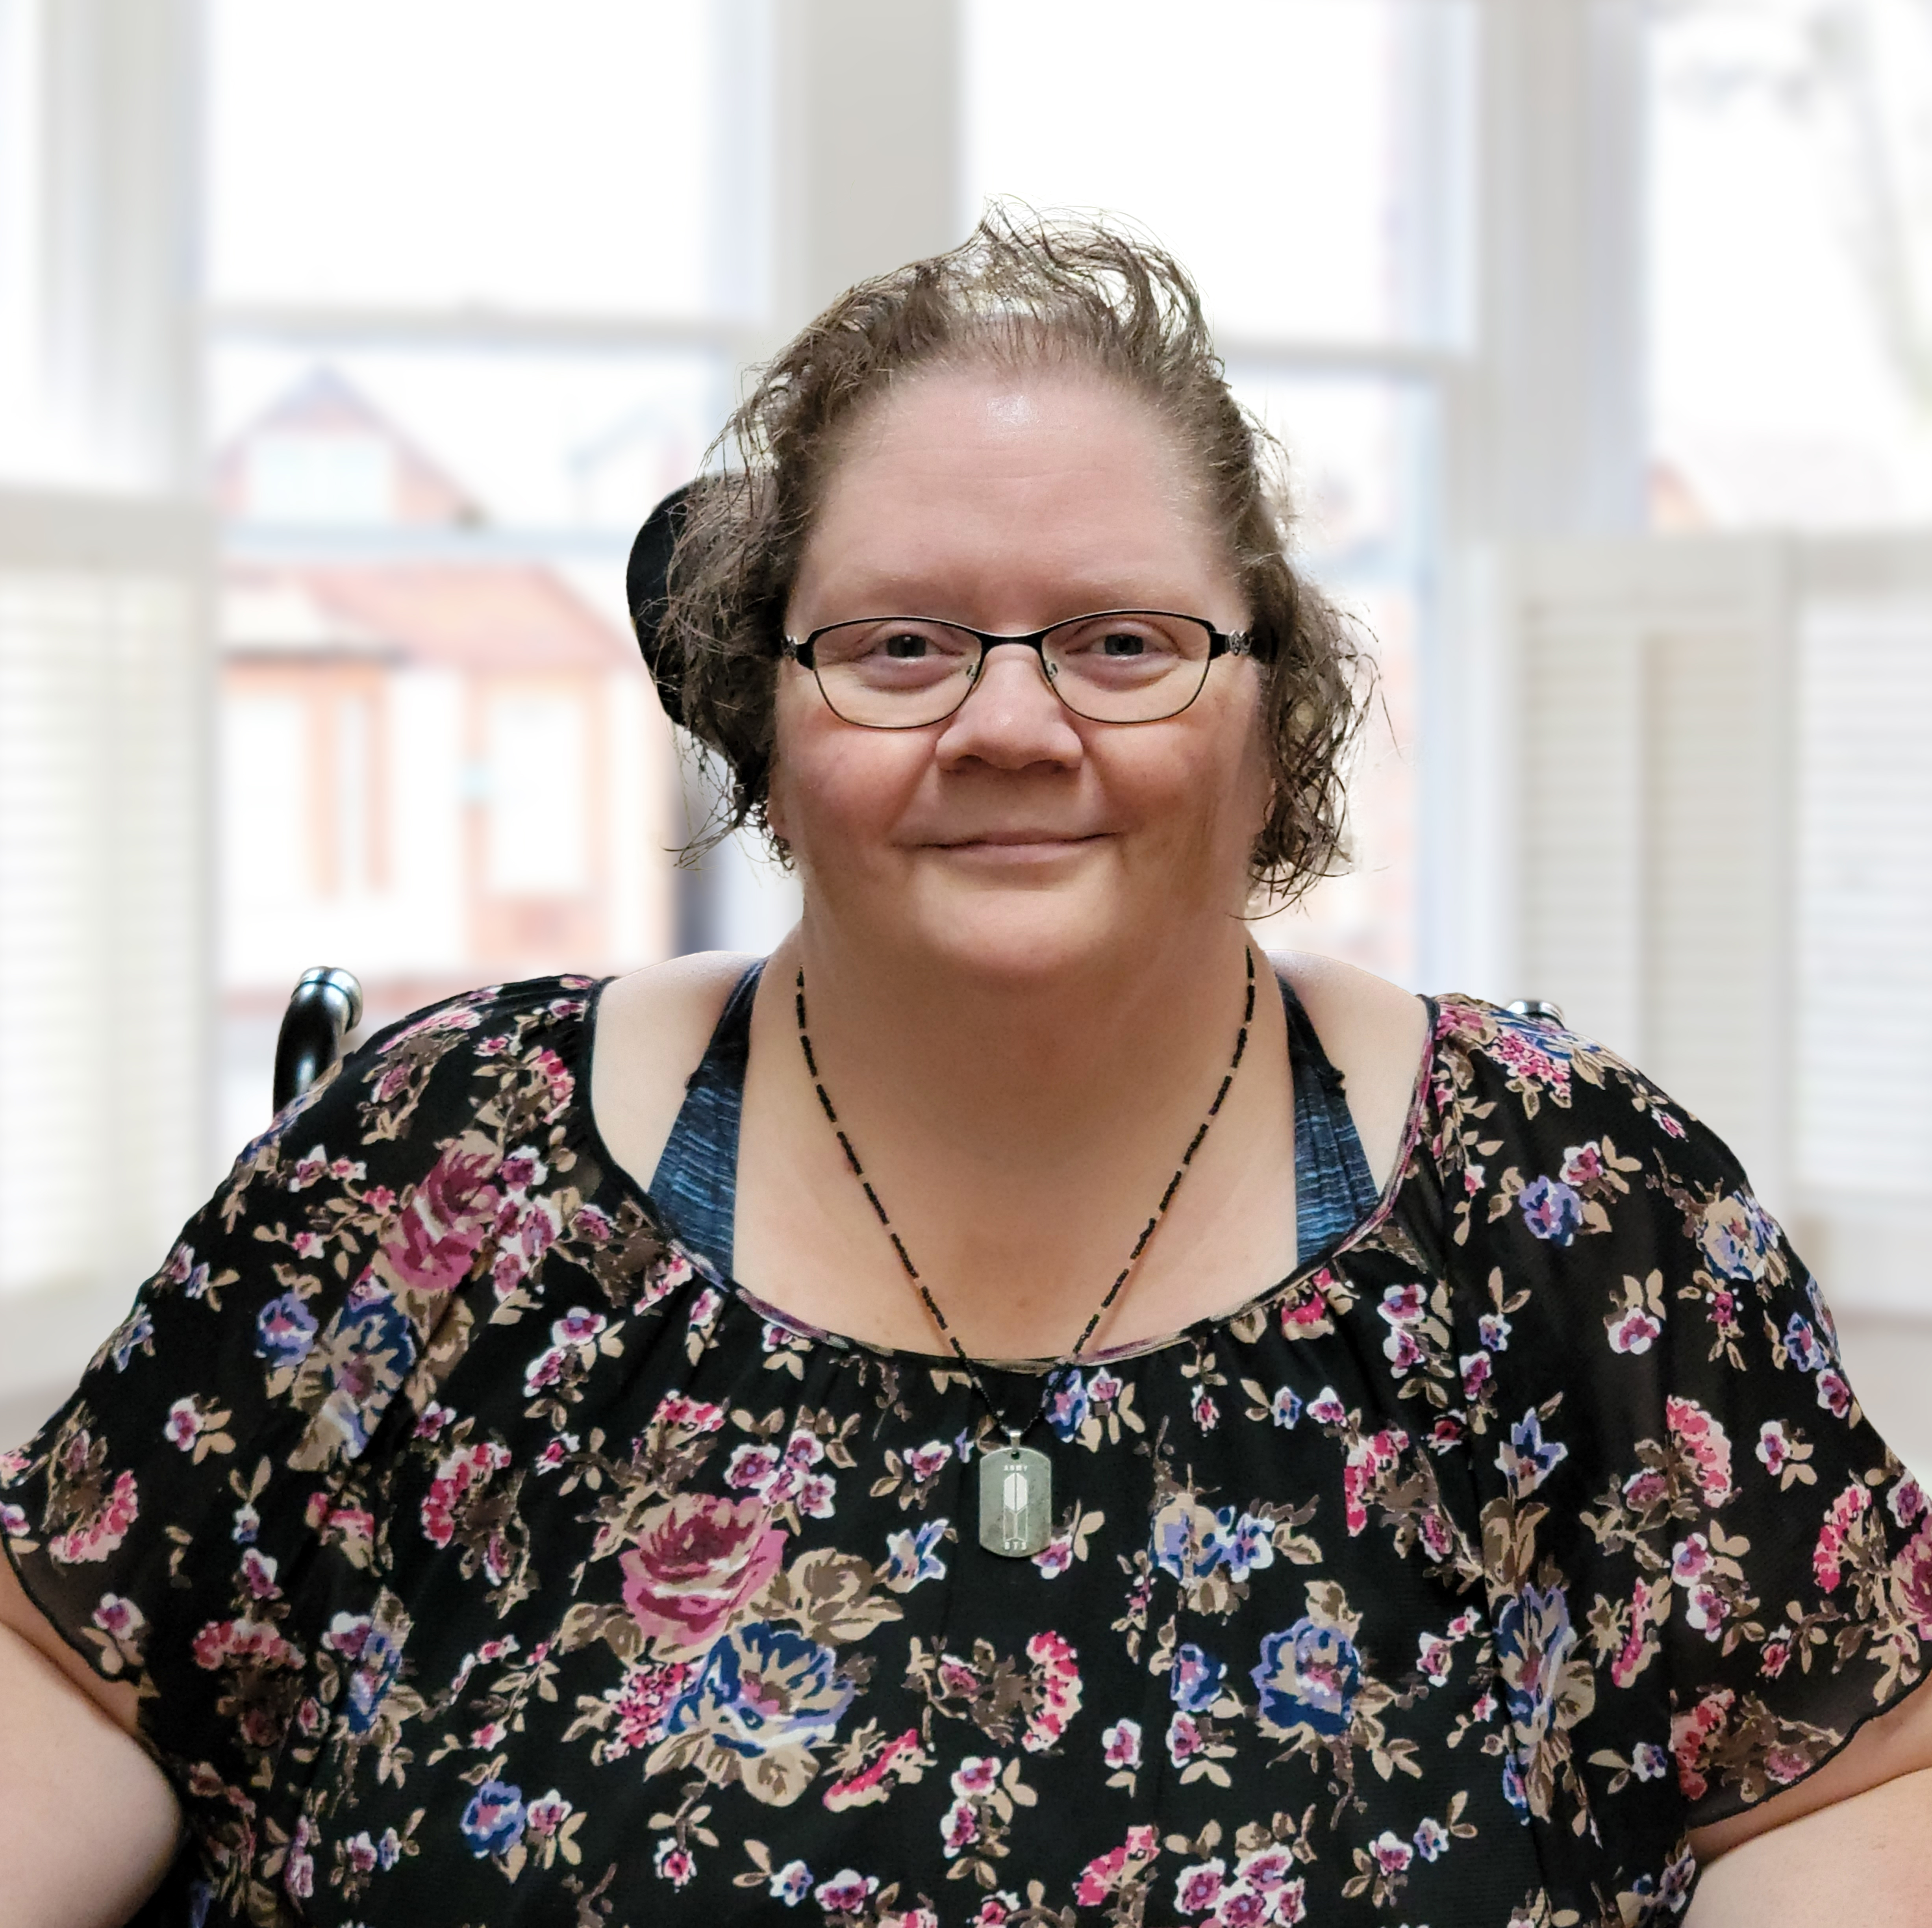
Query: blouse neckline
[{"x": 626, "y": 1182}]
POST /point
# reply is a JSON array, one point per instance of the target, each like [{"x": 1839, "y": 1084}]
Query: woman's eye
[
  {"x": 904, "y": 647},
  {"x": 1122, "y": 643}
]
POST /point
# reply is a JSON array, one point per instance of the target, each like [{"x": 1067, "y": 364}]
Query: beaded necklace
[{"x": 1016, "y": 1484}]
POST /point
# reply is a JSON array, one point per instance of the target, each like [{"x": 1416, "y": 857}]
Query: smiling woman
[{"x": 989, "y": 1415}]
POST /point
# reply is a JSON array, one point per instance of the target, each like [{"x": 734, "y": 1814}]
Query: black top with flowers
[{"x": 482, "y": 1559}]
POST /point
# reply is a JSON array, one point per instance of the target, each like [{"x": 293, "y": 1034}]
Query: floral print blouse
[{"x": 481, "y": 1558}]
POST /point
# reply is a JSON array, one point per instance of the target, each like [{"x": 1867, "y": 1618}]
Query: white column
[
  {"x": 120, "y": 239},
  {"x": 107, "y": 694},
  {"x": 1543, "y": 429},
  {"x": 1551, "y": 437},
  {"x": 868, "y": 147},
  {"x": 865, "y": 177}
]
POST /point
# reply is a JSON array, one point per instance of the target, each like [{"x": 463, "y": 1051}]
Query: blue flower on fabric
[
  {"x": 1534, "y": 1640},
  {"x": 493, "y": 1821},
  {"x": 1309, "y": 1675},
  {"x": 1067, "y": 1403},
  {"x": 1195, "y": 1679},
  {"x": 1801, "y": 1343},
  {"x": 1736, "y": 1237},
  {"x": 285, "y": 1330},
  {"x": 369, "y": 1350},
  {"x": 791, "y": 1883},
  {"x": 910, "y": 1557},
  {"x": 1514, "y": 1793},
  {"x": 136, "y": 1333},
  {"x": 1551, "y": 1210},
  {"x": 1249, "y": 1542},
  {"x": 764, "y": 1687},
  {"x": 1821, "y": 1315},
  {"x": 1527, "y": 1459},
  {"x": 378, "y": 1661},
  {"x": 1188, "y": 1541}
]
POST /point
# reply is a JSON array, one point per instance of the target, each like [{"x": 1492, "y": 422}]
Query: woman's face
[{"x": 1014, "y": 837}]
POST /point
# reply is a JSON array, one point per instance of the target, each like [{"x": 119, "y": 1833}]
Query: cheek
[
  {"x": 1214, "y": 791},
  {"x": 834, "y": 786}
]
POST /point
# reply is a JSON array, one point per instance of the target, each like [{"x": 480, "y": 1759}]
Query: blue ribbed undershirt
[{"x": 696, "y": 1183}]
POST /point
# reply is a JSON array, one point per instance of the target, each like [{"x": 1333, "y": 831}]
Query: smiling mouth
[
  {"x": 1020, "y": 840},
  {"x": 1016, "y": 853}
]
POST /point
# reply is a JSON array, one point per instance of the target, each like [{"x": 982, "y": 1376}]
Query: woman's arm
[
  {"x": 91, "y": 1823},
  {"x": 1851, "y": 1840}
]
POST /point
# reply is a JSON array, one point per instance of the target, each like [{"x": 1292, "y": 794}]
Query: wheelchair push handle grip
[{"x": 325, "y": 1006}]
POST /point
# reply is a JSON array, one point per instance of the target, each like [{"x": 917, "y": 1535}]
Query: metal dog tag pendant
[{"x": 1016, "y": 1501}]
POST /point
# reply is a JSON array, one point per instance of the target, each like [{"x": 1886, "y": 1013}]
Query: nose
[{"x": 1013, "y": 718}]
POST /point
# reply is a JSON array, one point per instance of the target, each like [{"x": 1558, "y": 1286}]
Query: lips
[{"x": 1002, "y": 838}]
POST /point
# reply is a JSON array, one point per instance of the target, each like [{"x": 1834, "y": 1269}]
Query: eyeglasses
[{"x": 1119, "y": 666}]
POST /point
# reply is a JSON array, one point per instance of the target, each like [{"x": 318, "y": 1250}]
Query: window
[
  {"x": 1322, "y": 214},
  {"x": 268, "y": 857},
  {"x": 1789, "y": 322},
  {"x": 537, "y": 760},
  {"x": 471, "y": 318},
  {"x": 494, "y": 154}
]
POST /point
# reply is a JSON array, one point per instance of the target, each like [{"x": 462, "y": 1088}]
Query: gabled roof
[
  {"x": 481, "y": 616},
  {"x": 322, "y": 403},
  {"x": 498, "y": 617}
]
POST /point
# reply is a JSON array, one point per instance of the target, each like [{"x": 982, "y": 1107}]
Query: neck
[
  {"x": 1020, "y": 1133},
  {"x": 1022, "y": 1073}
]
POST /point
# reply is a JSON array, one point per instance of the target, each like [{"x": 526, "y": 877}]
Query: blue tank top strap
[
  {"x": 696, "y": 1182},
  {"x": 1334, "y": 1187}
]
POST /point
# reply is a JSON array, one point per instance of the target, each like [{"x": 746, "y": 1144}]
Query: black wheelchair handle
[{"x": 325, "y": 1006}]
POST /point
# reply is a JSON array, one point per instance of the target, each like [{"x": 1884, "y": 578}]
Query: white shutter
[
  {"x": 105, "y": 984},
  {"x": 1650, "y": 689},
  {"x": 1720, "y": 758},
  {"x": 1864, "y": 862}
]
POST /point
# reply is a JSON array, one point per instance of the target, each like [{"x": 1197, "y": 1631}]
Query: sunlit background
[{"x": 343, "y": 346}]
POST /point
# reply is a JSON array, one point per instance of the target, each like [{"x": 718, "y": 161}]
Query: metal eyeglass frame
[{"x": 1220, "y": 643}]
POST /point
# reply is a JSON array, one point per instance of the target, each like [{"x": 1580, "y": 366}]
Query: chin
[{"x": 1017, "y": 936}]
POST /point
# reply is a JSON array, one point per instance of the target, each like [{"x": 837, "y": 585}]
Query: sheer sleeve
[
  {"x": 184, "y": 1516},
  {"x": 1705, "y": 1568}
]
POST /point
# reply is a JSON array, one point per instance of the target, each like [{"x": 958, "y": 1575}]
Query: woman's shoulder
[
  {"x": 1537, "y": 1069},
  {"x": 1375, "y": 1033},
  {"x": 652, "y": 1026},
  {"x": 1531, "y": 1123},
  {"x": 415, "y": 1089},
  {"x": 379, "y": 1091}
]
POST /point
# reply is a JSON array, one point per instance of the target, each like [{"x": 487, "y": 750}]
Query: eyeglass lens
[{"x": 897, "y": 673}]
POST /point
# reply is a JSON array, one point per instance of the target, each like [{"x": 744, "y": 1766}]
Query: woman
[{"x": 1421, "y": 1485}]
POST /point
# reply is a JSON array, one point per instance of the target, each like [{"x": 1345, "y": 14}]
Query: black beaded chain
[{"x": 1100, "y": 1311}]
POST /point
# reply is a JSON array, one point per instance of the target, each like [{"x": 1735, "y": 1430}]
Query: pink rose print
[
  {"x": 697, "y": 1560},
  {"x": 1703, "y": 1440},
  {"x": 104, "y": 1530},
  {"x": 1828, "y": 1556},
  {"x": 1912, "y": 1580},
  {"x": 432, "y": 1243}
]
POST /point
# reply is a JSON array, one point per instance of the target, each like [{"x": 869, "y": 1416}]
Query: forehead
[{"x": 993, "y": 487}]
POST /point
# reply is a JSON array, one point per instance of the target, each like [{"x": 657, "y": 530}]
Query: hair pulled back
[{"x": 1022, "y": 292}]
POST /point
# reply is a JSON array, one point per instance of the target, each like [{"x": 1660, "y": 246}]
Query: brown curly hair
[{"x": 1022, "y": 292}]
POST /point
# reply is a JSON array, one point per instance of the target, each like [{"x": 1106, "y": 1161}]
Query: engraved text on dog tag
[{"x": 1016, "y": 1501}]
